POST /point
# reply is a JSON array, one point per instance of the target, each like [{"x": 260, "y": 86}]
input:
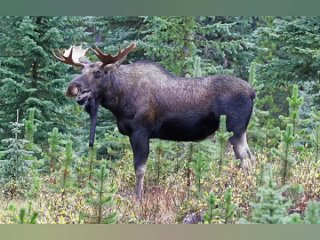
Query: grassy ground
[{"x": 167, "y": 199}]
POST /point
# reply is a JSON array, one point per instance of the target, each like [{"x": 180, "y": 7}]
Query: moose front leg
[{"x": 139, "y": 141}]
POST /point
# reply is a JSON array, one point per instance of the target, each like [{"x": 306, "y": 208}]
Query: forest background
[{"x": 48, "y": 174}]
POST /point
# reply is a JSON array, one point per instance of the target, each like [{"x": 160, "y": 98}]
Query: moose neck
[{"x": 113, "y": 91}]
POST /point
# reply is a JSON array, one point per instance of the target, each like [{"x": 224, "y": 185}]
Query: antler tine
[
  {"x": 125, "y": 51},
  {"x": 58, "y": 58},
  {"x": 108, "y": 58},
  {"x": 68, "y": 59},
  {"x": 104, "y": 58}
]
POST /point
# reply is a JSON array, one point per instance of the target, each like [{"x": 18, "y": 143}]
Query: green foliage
[
  {"x": 200, "y": 168},
  {"x": 35, "y": 186},
  {"x": 222, "y": 137},
  {"x": 313, "y": 213},
  {"x": 217, "y": 40},
  {"x": 260, "y": 176},
  {"x": 66, "y": 167},
  {"x": 197, "y": 71},
  {"x": 101, "y": 197},
  {"x": 315, "y": 134},
  {"x": 92, "y": 160},
  {"x": 30, "y": 76},
  {"x": 211, "y": 213},
  {"x": 228, "y": 207},
  {"x": 295, "y": 103},
  {"x": 115, "y": 144},
  {"x": 24, "y": 216},
  {"x": 257, "y": 126},
  {"x": 289, "y": 47},
  {"x": 158, "y": 163},
  {"x": 30, "y": 129},
  {"x": 81, "y": 171},
  {"x": 188, "y": 166},
  {"x": 220, "y": 210},
  {"x": 54, "y": 152},
  {"x": 272, "y": 206},
  {"x": 221, "y": 41},
  {"x": 27, "y": 218},
  {"x": 175, "y": 39},
  {"x": 288, "y": 140},
  {"x": 14, "y": 164}
]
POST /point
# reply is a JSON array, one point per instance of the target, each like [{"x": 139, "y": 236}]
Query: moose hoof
[{"x": 247, "y": 165}]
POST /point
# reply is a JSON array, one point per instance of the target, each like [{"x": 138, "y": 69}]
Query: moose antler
[
  {"x": 72, "y": 55},
  {"x": 108, "y": 58}
]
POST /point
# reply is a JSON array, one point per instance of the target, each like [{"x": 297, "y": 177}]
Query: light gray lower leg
[
  {"x": 242, "y": 151},
  {"x": 139, "y": 141},
  {"x": 140, "y": 171}
]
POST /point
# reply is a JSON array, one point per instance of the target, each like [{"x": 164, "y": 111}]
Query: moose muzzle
[
  {"x": 81, "y": 95},
  {"x": 72, "y": 91}
]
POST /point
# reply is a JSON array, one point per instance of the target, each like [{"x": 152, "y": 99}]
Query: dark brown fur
[{"x": 150, "y": 102}]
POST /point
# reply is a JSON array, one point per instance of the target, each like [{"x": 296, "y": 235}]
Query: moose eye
[{"x": 97, "y": 74}]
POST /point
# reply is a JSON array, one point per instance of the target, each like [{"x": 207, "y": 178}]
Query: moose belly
[{"x": 188, "y": 126}]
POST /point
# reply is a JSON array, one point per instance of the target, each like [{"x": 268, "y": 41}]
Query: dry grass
[{"x": 169, "y": 201}]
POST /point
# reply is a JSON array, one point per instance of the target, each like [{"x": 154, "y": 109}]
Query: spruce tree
[
  {"x": 200, "y": 167},
  {"x": 27, "y": 217},
  {"x": 30, "y": 76},
  {"x": 101, "y": 198},
  {"x": 289, "y": 46},
  {"x": 226, "y": 44},
  {"x": 223, "y": 43},
  {"x": 24, "y": 216},
  {"x": 312, "y": 213},
  {"x": 257, "y": 125},
  {"x": 272, "y": 207},
  {"x": 66, "y": 168},
  {"x": 315, "y": 135},
  {"x": 54, "y": 152},
  {"x": 36, "y": 166},
  {"x": 15, "y": 160},
  {"x": 288, "y": 139},
  {"x": 295, "y": 103},
  {"x": 212, "y": 212},
  {"x": 29, "y": 131},
  {"x": 228, "y": 208}
]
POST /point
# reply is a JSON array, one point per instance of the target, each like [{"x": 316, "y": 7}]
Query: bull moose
[{"x": 150, "y": 102}]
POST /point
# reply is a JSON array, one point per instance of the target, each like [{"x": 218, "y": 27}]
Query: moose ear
[
  {"x": 120, "y": 61},
  {"x": 110, "y": 66},
  {"x": 113, "y": 65}
]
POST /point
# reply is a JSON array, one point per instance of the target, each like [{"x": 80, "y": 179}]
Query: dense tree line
[{"x": 285, "y": 49}]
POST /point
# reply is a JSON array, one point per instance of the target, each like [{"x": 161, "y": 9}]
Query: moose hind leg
[
  {"x": 140, "y": 147},
  {"x": 242, "y": 151}
]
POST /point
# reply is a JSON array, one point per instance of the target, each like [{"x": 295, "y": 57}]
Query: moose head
[{"x": 88, "y": 87}]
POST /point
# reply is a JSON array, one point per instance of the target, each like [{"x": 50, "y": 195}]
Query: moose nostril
[{"x": 72, "y": 91}]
